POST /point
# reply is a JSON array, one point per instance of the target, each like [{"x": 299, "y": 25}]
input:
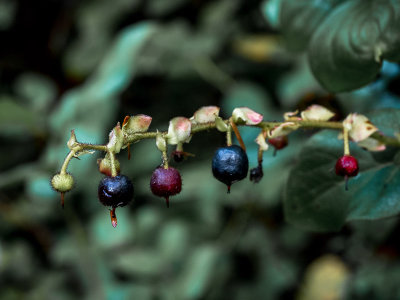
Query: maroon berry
[
  {"x": 166, "y": 182},
  {"x": 346, "y": 166},
  {"x": 279, "y": 142}
]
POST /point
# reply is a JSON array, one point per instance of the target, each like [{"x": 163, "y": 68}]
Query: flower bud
[
  {"x": 359, "y": 127},
  {"x": 179, "y": 130},
  {"x": 244, "y": 115},
  {"x": 282, "y": 129},
  {"x": 316, "y": 113},
  {"x": 205, "y": 114},
  {"x": 138, "y": 123},
  {"x": 260, "y": 140},
  {"x": 116, "y": 139}
]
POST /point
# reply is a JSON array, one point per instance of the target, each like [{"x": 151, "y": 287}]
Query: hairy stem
[{"x": 265, "y": 126}]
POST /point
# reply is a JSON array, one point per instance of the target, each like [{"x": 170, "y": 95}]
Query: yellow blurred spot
[
  {"x": 325, "y": 279},
  {"x": 258, "y": 48}
]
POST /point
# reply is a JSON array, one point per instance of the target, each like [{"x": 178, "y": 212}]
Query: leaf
[
  {"x": 16, "y": 119},
  {"x": 298, "y": 19},
  {"x": 347, "y": 50},
  {"x": 315, "y": 197}
]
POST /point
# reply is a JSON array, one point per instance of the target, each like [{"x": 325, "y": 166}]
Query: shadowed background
[{"x": 85, "y": 65}]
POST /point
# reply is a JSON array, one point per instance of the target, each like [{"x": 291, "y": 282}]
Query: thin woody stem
[
  {"x": 229, "y": 136},
  {"x": 113, "y": 167},
  {"x": 346, "y": 141},
  {"x": 66, "y": 162},
  {"x": 165, "y": 159},
  {"x": 135, "y": 137},
  {"x": 237, "y": 133}
]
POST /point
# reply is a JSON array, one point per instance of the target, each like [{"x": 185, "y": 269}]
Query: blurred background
[{"x": 85, "y": 65}]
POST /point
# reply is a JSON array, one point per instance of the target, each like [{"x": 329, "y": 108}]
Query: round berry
[
  {"x": 62, "y": 182},
  {"x": 115, "y": 191},
  {"x": 230, "y": 164},
  {"x": 166, "y": 182},
  {"x": 256, "y": 174},
  {"x": 347, "y": 165},
  {"x": 178, "y": 156},
  {"x": 279, "y": 142}
]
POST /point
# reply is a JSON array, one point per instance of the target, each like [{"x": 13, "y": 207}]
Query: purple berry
[{"x": 165, "y": 182}]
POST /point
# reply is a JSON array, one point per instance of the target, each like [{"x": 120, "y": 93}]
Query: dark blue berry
[
  {"x": 230, "y": 164},
  {"x": 115, "y": 191},
  {"x": 256, "y": 174}
]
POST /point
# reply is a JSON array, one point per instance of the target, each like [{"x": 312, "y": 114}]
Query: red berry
[
  {"x": 347, "y": 165},
  {"x": 279, "y": 142},
  {"x": 166, "y": 182}
]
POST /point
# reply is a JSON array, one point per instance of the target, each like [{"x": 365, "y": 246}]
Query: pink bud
[
  {"x": 179, "y": 130},
  {"x": 244, "y": 115},
  {"x": 138, "y": 123},
  {"x": 205, "y": 114}
]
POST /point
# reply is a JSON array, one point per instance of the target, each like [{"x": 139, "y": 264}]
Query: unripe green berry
[{"x": 62, "y": 182}]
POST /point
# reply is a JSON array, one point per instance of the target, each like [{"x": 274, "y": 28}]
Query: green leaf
[
  {"x": 315, "y": 198},
  {"x": 298, "y": 19},
  {"x": 16, "y": 119},
  {"x": 347, "y": 50}
]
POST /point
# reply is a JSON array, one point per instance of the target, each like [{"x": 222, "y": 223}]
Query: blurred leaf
[
  {"x": 346, "y": 51},
  {"x": 98, "y": 94},
  {"x": 139, "y": 262},
  {"x": 8, "y": 10},
  {"x": 107, "y": 237},
  {"x": 271, "y": 11},
  {"x": 37, "y": 91},
  {"x": 17, "y": 119},
  {"x": 96, "y": 21},
  {"x": 298, "y": 19},
  {"x": 376, "y": 277},
  {"x": 161, "y": 7},
  {"x": 198, "y": 273}
]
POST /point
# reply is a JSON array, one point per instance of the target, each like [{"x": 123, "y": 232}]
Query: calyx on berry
[
  {"x": 105, "y": 165},
  {"x": 114, "y": 192},
  {"x": 346, "y": 166},
  {"x": 166, "y": 182},
  {"x": 230, "y": 164}
]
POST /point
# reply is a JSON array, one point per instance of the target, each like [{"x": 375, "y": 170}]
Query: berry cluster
[{"x": 229, "y": 163}]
